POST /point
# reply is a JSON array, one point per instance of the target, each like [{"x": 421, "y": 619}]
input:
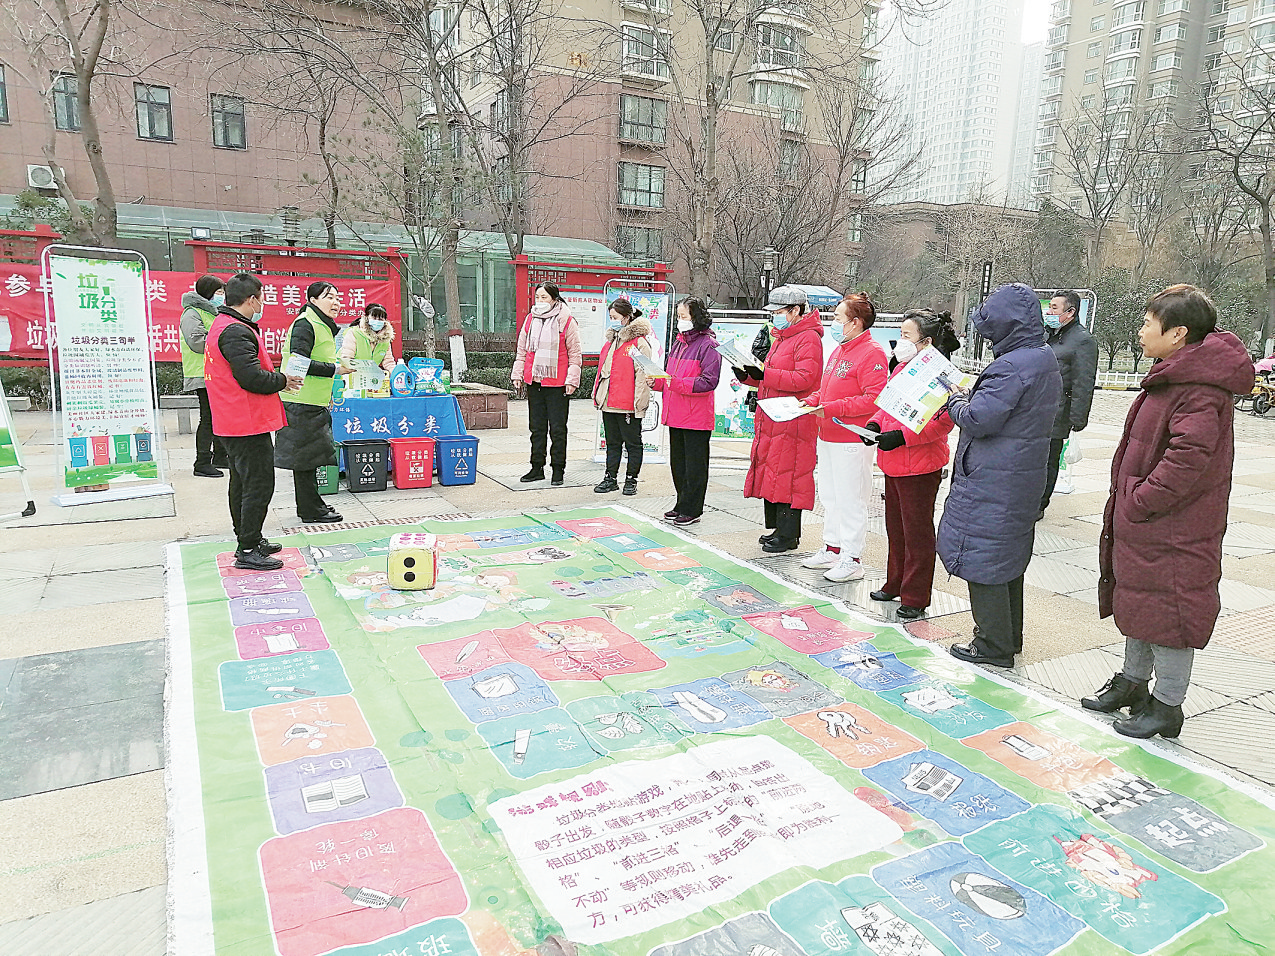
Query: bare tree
[
  {"x": 1236, "y": 126},
  {"x": 1210, "y": 240},
  {"x": 1155, "y": 194}
]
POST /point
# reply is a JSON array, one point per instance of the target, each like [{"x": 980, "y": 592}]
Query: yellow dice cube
[{"x": 413, "y": 561}]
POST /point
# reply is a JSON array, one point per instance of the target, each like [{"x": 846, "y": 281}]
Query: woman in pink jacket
[
  {"x": 694, "y": 367},
  {"x": 913, "y": 465}
]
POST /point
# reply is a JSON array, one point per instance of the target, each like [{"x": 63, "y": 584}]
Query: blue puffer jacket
[{"x": 998, "y": 472}]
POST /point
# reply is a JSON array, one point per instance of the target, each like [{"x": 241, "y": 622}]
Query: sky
[{"x": 1035, "y": 20}]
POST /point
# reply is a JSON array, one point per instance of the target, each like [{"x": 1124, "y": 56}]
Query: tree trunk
[
  {"x": 1268, "y": 264},
  {"x": 334, "y": 187},
  {"x": 704, "y": 198}
]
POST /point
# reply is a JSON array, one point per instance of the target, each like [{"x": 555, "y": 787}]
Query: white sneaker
[
  {"x": 821, "y": 559},
  {"x": 846, "y": 569}
]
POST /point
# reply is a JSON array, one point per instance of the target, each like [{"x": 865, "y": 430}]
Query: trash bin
[
  {"x": 328, "y": 479},
  {"x": 366, "y": 464},
  {"x": 457, "y": 459},
  {"x": 413, "y": 460}
]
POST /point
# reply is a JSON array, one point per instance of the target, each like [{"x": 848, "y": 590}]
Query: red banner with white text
[{"x": 24, "y": 333}]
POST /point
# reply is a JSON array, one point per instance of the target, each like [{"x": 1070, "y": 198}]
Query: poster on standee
[{"x": 104, "y": 371}]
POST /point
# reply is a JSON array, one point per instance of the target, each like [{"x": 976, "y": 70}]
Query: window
[
  {"x": 724, "y": 38},
  {"x": 788, "y": 99},
  {"x": 791, "y": 154},
  {"x": 1121, "y": 69},
  {"x": 1057, "y": 35},
  {"x": 1093, "y": 51},
  {"x": 1212, "y": 62},
  {"x": 778, "y": 46},
  {"x": 641, "y": 185},
  {"x": 1166, "y": 61},
  {"x": 1091, "y": 76},
  {"x": 66, "y": 108},
  {"x": 1051, "y": 86},
  {"x": 1096, "y": 24},
  {"x": 854, "y": 233},
  {"x": 498, "y": 113},
  {"x": 1128, "y": 13},
  {"x": 1126, "y": 41},
  {"x": 1174, "y": 6},
  {"x": 1173, "y": 31},
  {"x": 1216, "y": 34},
  {"x": 639, "y": 242},
  {"x": 1120, "y": 95},
  {"x": 1263, "y": 8},
  {"x": 1219, "y": 6},
  {"x": 154, "y": 112},
  {"x": 230, "y": 131},
  {"x": 871, "y": 20},
  {"x": 852, "y": 271},
  {"x": 643, "y": 119},
  {"x": 1054, "y": 61},
  {"x": 644, "y": 52},
  {"x": 4, "y": 97},
  {"x": 1263, "y": 34},
  {"x": 1086, "y": 102},
  {"x": 859, "y": 178},
  {"x": 1163, "y": 88}
]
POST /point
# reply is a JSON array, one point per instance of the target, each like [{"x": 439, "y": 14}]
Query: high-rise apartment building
[
  {"x": 1022, "y": 150},
  {"x": 1153, "y": 56},
  {"x": 957, "y": 76}
]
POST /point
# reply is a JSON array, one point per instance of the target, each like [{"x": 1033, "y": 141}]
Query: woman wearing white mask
[
  {"x": 913, "y": 465},
  {"x": 853, "y": 377},
  {"x": 370, "y": 338},
  {"x": 547, "y": 366},
  {"x": 621, "y": 392},
  {"x": 199, "y": 309}
]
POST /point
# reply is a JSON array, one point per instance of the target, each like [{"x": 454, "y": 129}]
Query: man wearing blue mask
[
  {"x": 199, "y": 308},
  {"x": 1077, "y": 354}
]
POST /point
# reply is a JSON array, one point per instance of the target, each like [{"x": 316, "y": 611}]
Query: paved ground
[{"x": 82, "y": 800}]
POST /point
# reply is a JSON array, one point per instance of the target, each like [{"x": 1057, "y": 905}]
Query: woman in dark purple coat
[{"x": 1160, "y": 557}]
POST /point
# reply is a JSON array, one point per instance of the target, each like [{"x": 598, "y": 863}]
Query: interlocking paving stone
[
  {"x": 1058, "y": 576},
  {"x": 22, "y": 594},
  {"x": 1251, "y": 632},
  {"x": 94, "y": 675},
  {"x": 401, "y": 509},
  {"x": 1237, "y": 596},
  {"x": 134, "y": 924},
  {"x": 579, "y": 474},
  {"x": 924, "y": 630},
  {"x": 1236, "y": 735},
  {"x": 1048, "y": 542},
  {"x": 109, "y": 557},
  {"x": 1232, "y": 673},
  {"x": 102, "y": 587},
  {"x": 16, "y": 565},
  {"x": 1084, "y": 557}
]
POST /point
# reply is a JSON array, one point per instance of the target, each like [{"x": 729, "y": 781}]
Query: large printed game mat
[{"x": 595, "y": 736}]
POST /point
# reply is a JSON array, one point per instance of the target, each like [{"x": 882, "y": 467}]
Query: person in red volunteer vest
[
  {"x": 852, "y": 379},
  {"x": 622, "y": 393},
  {"x": 547, "y": 366},
  {"x": 243, "y": 392},
  {"x": 913, "y": 466}
]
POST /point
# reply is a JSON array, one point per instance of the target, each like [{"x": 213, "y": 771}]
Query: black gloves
[
  {"x": 751, "y": 371},
  {"x": 872, "y": 427},
  {"x": 890, "y": 440}
]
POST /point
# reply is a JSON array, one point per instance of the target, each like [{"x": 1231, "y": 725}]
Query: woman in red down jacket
[
  {"x": 694, "y": 367},
  {"x": 782, "y": 467},
  {"x": 1160, "y": 556},
  {"x": 913, "y": 466}
]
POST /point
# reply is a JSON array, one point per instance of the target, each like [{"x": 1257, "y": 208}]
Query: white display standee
[{"x": 11, "y": 458}]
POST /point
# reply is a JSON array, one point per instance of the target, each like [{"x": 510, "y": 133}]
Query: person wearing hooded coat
[
  {"x": 199, "y": 308},
  {"x": 622, "y": 393},
  {"x": 305, "y": 444},
  {"x": 1160, "y": 555},
  {"x": 782, "y": 459},
  {"x": 998, "y": 472}
]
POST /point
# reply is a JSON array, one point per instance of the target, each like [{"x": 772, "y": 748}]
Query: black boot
[
  {"x": 556, "y": 478},
  {"x": 1156, "y": 718},
  {"x": 537, "y": 473},
  {"x": 607, "y": 484},
  {"x": 630, "y": 485},
  {"x": 1118, "y": 692}
]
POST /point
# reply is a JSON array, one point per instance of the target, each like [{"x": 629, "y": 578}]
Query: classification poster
[{"x": 594, "y": 736}]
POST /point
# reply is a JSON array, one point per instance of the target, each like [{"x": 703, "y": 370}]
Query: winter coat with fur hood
[{"x": 620, "y": 385}]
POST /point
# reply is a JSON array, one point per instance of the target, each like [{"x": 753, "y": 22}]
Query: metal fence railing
[{"x": 1114, "y": 380}]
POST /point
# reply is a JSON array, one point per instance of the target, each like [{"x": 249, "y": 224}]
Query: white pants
[{"x": 844, "y": 479}]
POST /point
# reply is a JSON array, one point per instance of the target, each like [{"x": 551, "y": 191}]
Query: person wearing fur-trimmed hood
[
  {"x": 371, "y": 337},
  {"x": 622, "y": 393}
]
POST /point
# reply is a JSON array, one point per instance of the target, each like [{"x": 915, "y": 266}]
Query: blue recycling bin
[{"x": 457, "y": 459}]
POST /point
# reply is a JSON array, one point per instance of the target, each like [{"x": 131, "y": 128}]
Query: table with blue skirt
[{"x": 417, "y": 416}]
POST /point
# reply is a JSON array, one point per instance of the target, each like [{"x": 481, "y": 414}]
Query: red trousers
[{"x": 909, "y": 528}]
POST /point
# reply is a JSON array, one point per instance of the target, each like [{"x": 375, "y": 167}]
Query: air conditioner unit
[{"x": 40, "y": 177}]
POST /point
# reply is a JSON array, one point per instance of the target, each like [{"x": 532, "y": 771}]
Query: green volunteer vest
[
  {"x": 316, "y": 390},
  {"x": 363, "y": 348},
  {"x": 192, "y": 361}
]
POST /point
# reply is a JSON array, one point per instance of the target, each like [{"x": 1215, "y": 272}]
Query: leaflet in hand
[
  {"x": 783, "y": 409},
  {"x": 917, "y": 393},
  {"x": 867, "y": 433},
  {"x": 297, "y": 366},
  {"x": 367, "y": 374},
  {"x": 648, "y": 366},
  {"x": 734, "y": 357}
]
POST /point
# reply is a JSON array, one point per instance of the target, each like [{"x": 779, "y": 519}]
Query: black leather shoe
[
  {"x": 883, "y": 596},
  {"x": 536, "y": 474},
  {"x": 269, "y": 547},
  {"x": 1156, "y": 717},
  {"x": 1118, "y": 692},
  {"x": 208, "y": 471},
  {"x": 777, "y": 545},
  {"x": 766, "y": 538},
  {"x": 256, "y": 561},
  {"x": 607, "y": 484},
  {"x": 971, "y": 654},
  {"x": 909, "y": 613},
  {"x": 330, "y": 517},
  {"x": 630, "y": 486}
]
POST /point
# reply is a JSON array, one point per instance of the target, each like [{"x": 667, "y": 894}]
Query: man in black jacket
[{"x": 1077, "y": 354}]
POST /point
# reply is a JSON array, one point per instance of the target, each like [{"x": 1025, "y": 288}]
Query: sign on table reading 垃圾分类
[{"x": 568, "y": 738}]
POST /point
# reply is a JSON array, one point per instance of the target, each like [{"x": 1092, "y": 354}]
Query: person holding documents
[
  {"x": 694, "y": 368},
  {"x": 998, "y": 474},
  {"x": 622, "y": 392},
  {"x": 913, "y": 466},
  {"x": 782, "y": 459},
  {"x": 306, "y": 443},
  {"x": 852, "y": 379},
  {"x": 369, "y": 338}
]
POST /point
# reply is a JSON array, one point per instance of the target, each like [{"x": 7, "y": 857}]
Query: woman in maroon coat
[
  {"x": 782, "y": 467},
  {"x": 1160, "y": 557}
]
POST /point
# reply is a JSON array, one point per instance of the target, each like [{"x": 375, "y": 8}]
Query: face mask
[
  {"x": 905, "y": 350},
  {"x": 1053, "y": 322},
  {"x": 614, "y": 324},
  {"x": 376, "y": 324},
  {"x": 218, "y": 299},
  {"x": 541, "y": 308},
  {"x": 837, "y": 332},
  {"x": 779, "y": 320},
  {"x": 685, "y": 325}
]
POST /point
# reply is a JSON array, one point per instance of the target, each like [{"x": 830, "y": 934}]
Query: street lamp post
[{"x": 768, "y": 256}]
